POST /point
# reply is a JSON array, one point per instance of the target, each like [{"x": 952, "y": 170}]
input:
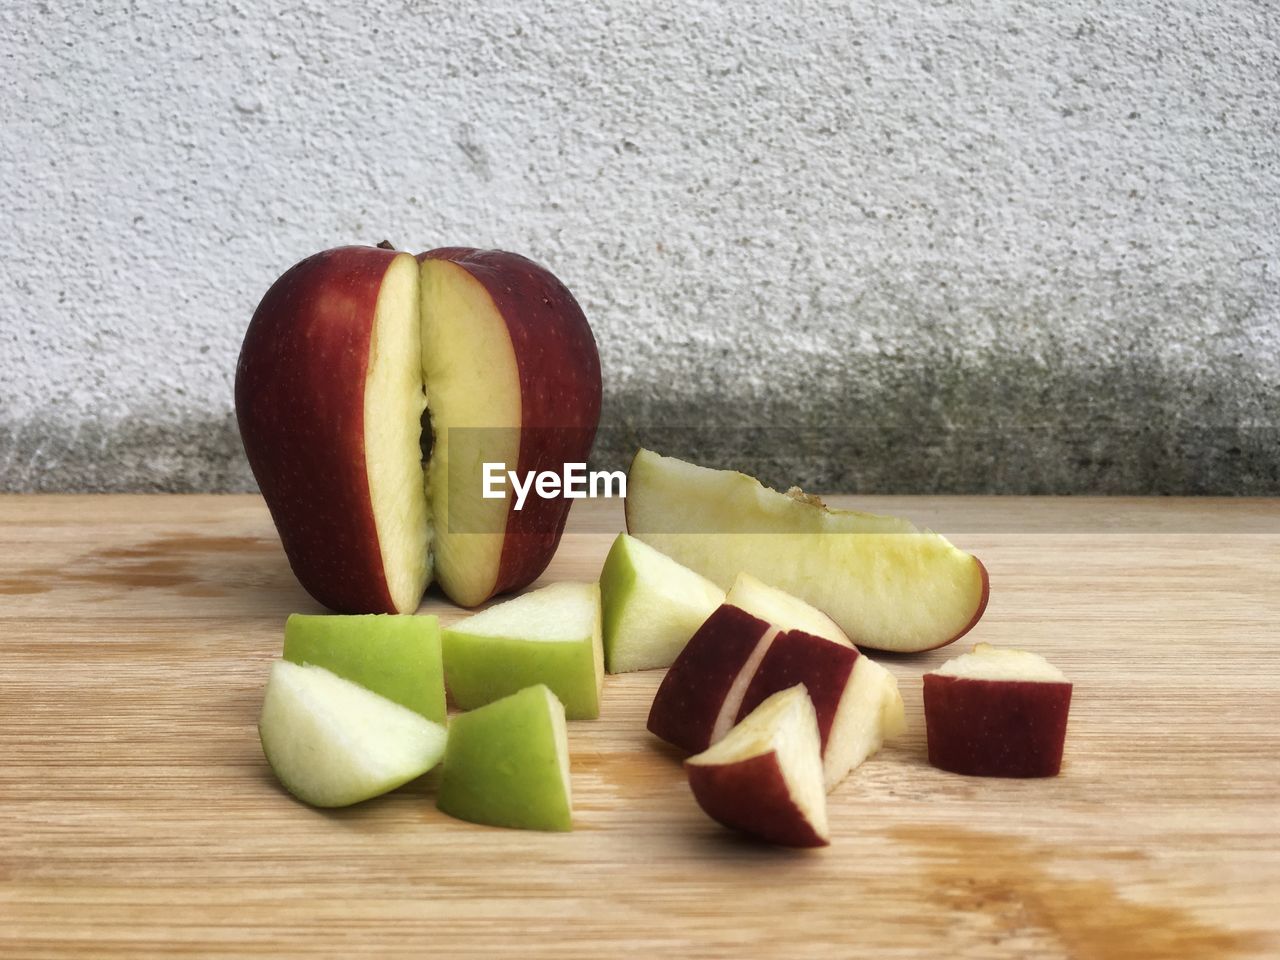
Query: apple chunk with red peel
[
  {"x": 886, "y": 584},
  {"x": 341, "y": 357},
  {"x": 997, "y": 713},
  {"x": 764, "y": 777},
  {"x": 855, "y": 699},
  {"x": 698, "y": 699},
  {"x": 781, "y": 608}
]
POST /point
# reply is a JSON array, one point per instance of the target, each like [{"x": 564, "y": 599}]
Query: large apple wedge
[
  {"x": 765, "y": 776},
  {"x": 856, "y": 700},
  {"x": 513, "y": 377},
  {"x": 333, "y": 743},
  {"x": 997, "y": 713},
  {"x": 507, "y": 764},
  {"x": 652, "y": 606},
  {"x": 698, "y": 699},
  {"x": 886, "y": 584},
  {"x": 329, "y": 401},
  {"x": 343, "y": 355},
  {"x": 549, "y": 636},
  {"x": 395, "y": 656}
]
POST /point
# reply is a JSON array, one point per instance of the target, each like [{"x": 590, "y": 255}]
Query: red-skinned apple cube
[
  {"x": 856, "y": 700},
  {"x": 697, "y": 701},
  {"x": 764, "y": 777},
  {"x": 823, "y": 667},
  {"x": 997, "y": 713}
]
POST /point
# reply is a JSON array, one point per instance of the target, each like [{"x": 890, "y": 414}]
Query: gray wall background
[{"x": 884, "y": 246}]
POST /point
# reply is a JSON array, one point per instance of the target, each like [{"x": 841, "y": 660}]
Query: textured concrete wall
[{"x": 887, "y": 246}]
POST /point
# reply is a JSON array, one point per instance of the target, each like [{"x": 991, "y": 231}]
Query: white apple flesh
[
  {"x": 333, "y": 743},
  {"x": 782, "y": 609},
  {"x": 885, "y": 583}
]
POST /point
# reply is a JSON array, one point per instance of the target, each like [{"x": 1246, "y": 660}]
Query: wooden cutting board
[{"x": 138, "y": 818}]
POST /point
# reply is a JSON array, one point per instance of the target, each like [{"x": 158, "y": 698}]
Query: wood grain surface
[{"x": 138, "y": 818}]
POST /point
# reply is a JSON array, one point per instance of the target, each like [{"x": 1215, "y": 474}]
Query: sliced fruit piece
[
  {"x": 765, "y": 777},
  {"x": 397, "y": 657},
  {"x": 333, "y": 743},
  {"x": 329, "y": 401},
  {"x": 512, "y": 377},
  {"x": 997, "y": 713},
  {"x": 507, "y": 764},
  {"x": 886, "y": 584},
  {"x": 550, "y": 635},
  {"x": 781, "y": 608},
  {"x": 652, "y": 606},
  {"x": 697, "y": 701},
  {"x": 855, "y": 699}
]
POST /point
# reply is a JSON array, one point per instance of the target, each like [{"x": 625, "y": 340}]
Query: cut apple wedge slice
[
  {"x": 512, "y": 377},
  {"x": 397, "y": 657},
  {"x": 333, "y": 743},
  {"x": 697, "y": 701},
  {"x": 550, "y": 636},
  {"x": 997, "y": 713},
  {"x": 781, "y": 608},
  {"x": 886, "y": 584},
  {"x": 765, "y": 776},
  {"x": 651, "y": 604},
  {"x": 855, "y": 699},
  {"x": 507, "y": 764},
  {"x": 329, "y": 401}
]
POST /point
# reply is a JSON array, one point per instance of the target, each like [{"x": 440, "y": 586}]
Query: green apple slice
[
  {"x": 333, "y": 743},
  {"x": 550, "y": 636},
  {"x": 652, "y": 606},
  {"x": 507, "y": 764},
  {"x": 395, "y": 656}
]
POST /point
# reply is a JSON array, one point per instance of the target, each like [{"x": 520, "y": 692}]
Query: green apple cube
[
  {"x": 550, "y": 636},
  {"x": 507, "y": 764},
  {"x": 652, "y": 606},
  {"x": 333, "y": 743},
  {"x": 396, "y": 656}
]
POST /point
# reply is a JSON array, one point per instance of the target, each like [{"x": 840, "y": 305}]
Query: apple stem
[{"x": 386, "y": 245}]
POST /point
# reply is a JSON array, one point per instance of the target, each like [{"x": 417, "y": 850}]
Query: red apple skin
[
  {"x": 824, "y": 667},
  {"x": 560, "y": 394},
  {"x": 996, "y": 728},
  {"x": 751, "y": 795},
  {"x": 690, "y": 696},
  {"x": 299, "y": 398}
]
